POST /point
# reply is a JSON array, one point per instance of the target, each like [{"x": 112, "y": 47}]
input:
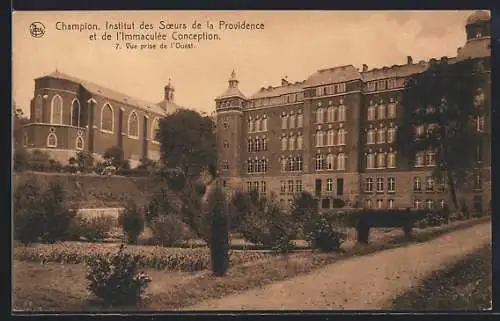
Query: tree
[
  {"x": 19, "y": 120},
  {"x": 442, "y": 99},
  {"x": 189, "y": 157},
  {"x": 219, "y": 233}
]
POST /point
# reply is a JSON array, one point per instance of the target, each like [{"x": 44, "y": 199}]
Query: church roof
[
  {"x": 110, "y": 93},
  {"x": 332, "y": 75},
  {"x": 475, "y": 48},
  {"x": 278, "y": 91}
]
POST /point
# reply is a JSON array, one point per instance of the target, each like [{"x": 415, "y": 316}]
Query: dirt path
[{"x": 366, "y": 282}]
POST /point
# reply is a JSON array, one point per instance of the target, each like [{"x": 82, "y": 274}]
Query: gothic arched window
[
  {"x": 107, "y": 118},
  {"x": 133, "y": 125},
  {"x": 56, "y": 115}
]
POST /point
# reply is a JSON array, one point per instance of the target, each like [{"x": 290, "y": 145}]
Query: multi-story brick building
[
  {"x": 70, "y": 114},
  {"x": 334, "y": 133}
]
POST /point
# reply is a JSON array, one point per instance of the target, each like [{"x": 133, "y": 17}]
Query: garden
[{"x": 228, "y": 247}]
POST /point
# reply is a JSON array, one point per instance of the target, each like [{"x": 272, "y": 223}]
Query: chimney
[
  {"x": 365, "y": 67},
  {"x": 284, "y": 81},
  {"x": 409, "y": 60}
]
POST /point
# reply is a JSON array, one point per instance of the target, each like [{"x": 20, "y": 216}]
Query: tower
[
  {"x": 478, "y": 25},
  {"x": 169, "y": 91},
  {"x": 229, "y": 117}
]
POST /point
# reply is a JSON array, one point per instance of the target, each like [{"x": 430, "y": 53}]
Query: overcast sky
[{"x": 293, "y": 44}]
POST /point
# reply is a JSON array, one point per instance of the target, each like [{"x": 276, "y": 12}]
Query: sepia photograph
[{"x": 167, "y": 161}]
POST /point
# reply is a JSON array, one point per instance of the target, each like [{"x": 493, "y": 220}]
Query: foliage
[
  {"x": 19, "y": 120},
  {"x": 266, "y": 223},
  {"x": 241, "y": 205},
  {"x": 150, "y": 257},
  {"x": 219, "y": 236},
  {"x": 168, "y": 230},
  {"x": 324, "y": 234},
  {"x": 83, "y": 161},
  {"x": 115, "y": 278},
  {"x": 21, "y": 160},
  {"x": 114, "y": 156},
  {"x": 41, "y": 213},
  {"x": 188, "y": 142},
  {"x": 132, "y": 222},
  {"x": 188, "y": 149},
  {"x": 443, "y": 99},
  {"x": 92, "y": 229},
  {"x": 159, "y": 204}
]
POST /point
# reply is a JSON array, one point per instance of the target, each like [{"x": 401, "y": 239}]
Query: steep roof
[
  {"x": 394, "y": 71},
  {"x": 232, "y": 92},
  {"x": 475, "y": 48},
  {"x": 332, "y": 75},
  {"x": 289, "y": 88},
  {"x": 109, "y": 93}
]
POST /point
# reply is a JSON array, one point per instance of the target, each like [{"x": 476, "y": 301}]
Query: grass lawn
[
  {"x": 54, "y": 286},
  {"x": 465, "y": 286}
]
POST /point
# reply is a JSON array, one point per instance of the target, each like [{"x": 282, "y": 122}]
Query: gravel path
[{"x": 366, "y": 282}]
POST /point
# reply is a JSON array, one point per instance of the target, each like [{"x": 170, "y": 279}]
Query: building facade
[
  {"x": 70, "y": 115},
  {"x": 334, "y": 135}
]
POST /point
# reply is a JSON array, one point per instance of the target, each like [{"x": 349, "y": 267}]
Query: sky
[{"x": 293, "y": 44}]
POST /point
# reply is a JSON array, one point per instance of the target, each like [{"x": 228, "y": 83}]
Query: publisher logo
[{"x": 37, "y": 29}]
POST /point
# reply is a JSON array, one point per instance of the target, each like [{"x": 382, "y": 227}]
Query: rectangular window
[
  {"x": 283, "y": 187},
  {"x": 390, "y": 203},
  {"x": 380, "y": 203},
  {"x": 249, "y": 186},
  {"x": 300, "y": 120},
  {"x": 391, "y": 184},
  {"x": 290, "y": 186},
  {"x": 340, "y": 186},
  {"x": 380, "y": 185},
  {"x": 381, "y": 85},
  {"x": 371, "y": 85},
  {"x": 325, "y": 203},
  {"x": 417, "y": 184},
  {"x": 298, "y": 186},
  {"x": 391, "y": 110},
  {"x": 478, "y": 181},
  {"x": 368, "y": 203},
  {"x": 418, "y": 204},
  {"x": 369, "y": 184},
  {"x": 329, "y": 184},
  {"x": 263, "y": 187},
  {"x": 318, "y": 187},
  {"x": 284, "y": 121},
  {"x": 429, "y": 184}
]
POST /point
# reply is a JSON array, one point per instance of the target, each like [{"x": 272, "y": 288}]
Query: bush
[
  {"x": 132, "y": 222},
  {"x": 21, "y": 160},
  {"x": 41, "y": 213},
  {"x": 219, "y": 236},
  {"x": 92, "y": 229},
  {"x": 168, "y": 230},
  {"x": 83, "y": 161},
  {"x": 324, "y": 234},
  {"x": 115, "y": 279}
]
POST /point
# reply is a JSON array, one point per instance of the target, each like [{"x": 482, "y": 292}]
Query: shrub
[
  {"x": 115, "y": 279},
  {"x": 168, "y": 229},
  {"x": 324, "y": 234},
  {"x": 92, "y": 229},
  {"x": 21, "y": 160},
  {"x": 219, "y": 236},
  {"x": 83, "y": 161},
  {"x": 41, "y": 213},
  {"x": 132, "y": 222}
]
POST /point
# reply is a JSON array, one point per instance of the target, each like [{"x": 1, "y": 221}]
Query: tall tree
[
  {"x": 189, "y": 156},
  {"x": 440, "y": 109}
]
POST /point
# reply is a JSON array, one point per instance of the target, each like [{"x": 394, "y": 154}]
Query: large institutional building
[
  {"x": 333, "y": 134},
  {"x": 70, "y": 115}
]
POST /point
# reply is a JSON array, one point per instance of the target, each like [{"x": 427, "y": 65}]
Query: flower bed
[{"x": 171, "y": 259}]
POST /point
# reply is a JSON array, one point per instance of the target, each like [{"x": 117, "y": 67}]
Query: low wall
[{"x": 96, "y": 212}]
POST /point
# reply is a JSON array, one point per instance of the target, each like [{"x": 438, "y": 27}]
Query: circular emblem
[{"x": 37, "y": 29}]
